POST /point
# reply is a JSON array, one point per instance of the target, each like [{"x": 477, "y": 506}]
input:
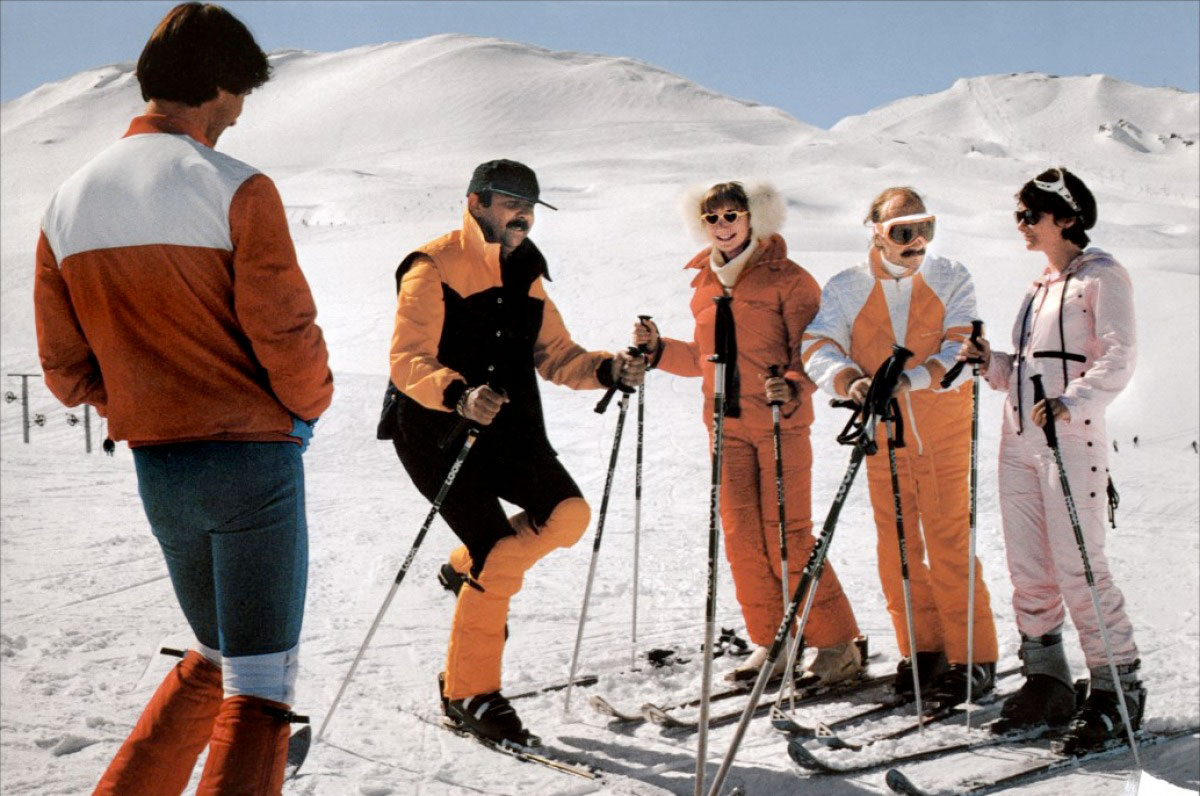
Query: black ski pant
[{"x": 526, "y": 476}]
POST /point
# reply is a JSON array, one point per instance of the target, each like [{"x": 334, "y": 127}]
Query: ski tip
[
  {"x": 899, "y": 783},
  {"x": 298, "y": 746},
  {"x": 801, "y": 756}
]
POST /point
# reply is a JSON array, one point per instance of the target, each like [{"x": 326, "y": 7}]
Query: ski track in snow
[{"x": 86, "y": 603}]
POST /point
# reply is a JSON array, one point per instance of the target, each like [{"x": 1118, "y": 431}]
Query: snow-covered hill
[{"x": 372, "y": 149}]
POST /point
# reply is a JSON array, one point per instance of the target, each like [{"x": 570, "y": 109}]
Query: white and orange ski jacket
[
  {"x": 167, "y": 295},
  {"x": 864, "y": 310}
]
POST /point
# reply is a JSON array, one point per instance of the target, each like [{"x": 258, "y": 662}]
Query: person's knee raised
[{"x": 567, "y": 523}]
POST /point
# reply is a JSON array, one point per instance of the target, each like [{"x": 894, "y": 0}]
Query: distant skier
[
  {"x": 1195, "y": 448},
  {"x": 1135, "y": 440},
  {"x": 473, "y": 325},
  {"x": 899, "y": 295},
  {"x": 168, "y": 296},
  {"x": 774, "y": 299},
  {"x": 1115, "y": 448},
  {"x": 1076, "y": 328}
]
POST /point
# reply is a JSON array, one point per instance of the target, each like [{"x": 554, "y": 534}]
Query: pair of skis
[
  {"x": 1051, "y": 762},
  {"x": 664, "y": 716}
]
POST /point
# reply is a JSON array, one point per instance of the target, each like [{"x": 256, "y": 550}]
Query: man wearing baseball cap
[{"x": 473, "y": 325}]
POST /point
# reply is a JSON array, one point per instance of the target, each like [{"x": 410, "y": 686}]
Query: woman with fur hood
[{"x": 773, "y": 301}]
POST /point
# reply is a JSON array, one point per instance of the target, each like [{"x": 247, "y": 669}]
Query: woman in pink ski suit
[{"x": 1076, "y": 329}]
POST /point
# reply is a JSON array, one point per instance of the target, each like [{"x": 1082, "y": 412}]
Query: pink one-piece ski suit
[{"x": 1076, "y": 329}]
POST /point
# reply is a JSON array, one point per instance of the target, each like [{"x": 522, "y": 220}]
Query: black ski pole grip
[
  {"x": 1039, "y": 394},
  {"x": 644, "y": 320},
  {"x": 773, "y": 371},
  {"x": 844, "y": 403},
  {"x": 952, "y": 374}
]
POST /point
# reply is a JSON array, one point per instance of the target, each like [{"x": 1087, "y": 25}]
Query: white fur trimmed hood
[{"x": 767, "y": 210}]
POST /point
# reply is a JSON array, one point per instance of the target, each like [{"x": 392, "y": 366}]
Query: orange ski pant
[
  {"x": 477, "y": 634},
  {"x": 935, "y": 503},
  {"x": 750, "y": 519}
]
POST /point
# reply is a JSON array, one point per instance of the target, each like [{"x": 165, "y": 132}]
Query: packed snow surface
[{"x": 372, "y": 149}]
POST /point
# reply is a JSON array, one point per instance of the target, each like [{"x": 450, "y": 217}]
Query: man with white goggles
[
  {"x": 900, "y": 293},
  {"x": 905, "y": 229}
]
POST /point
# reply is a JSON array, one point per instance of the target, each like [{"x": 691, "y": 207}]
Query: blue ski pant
[{"x": 230, "y": 519}]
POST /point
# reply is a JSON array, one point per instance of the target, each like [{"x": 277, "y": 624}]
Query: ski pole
[
  {"x": 864, "y": 444},
  {"x": 811, "y": 572},
  {"x": 472, "y": 434},
  {"x": 890, "y": 419},
  {"x": 637, "y": 506},
  {"x": 723, "y": 334},
  {"x": 976, "y": 333},
  {"x": 622, "y": 405},
  {"x": 774, "y": 372},
  {"x": 1039, "y": 394}
]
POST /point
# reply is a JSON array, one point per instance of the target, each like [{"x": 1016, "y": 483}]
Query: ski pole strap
[
  {"x": 952, "y": 374},
  {"x": 1039, "y": 394},
  {"x": 725, "y": 350},
  {"x": 855, "y": 425}
]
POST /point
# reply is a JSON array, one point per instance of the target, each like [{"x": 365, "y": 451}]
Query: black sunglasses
[{"x": 1027, "y": 216}]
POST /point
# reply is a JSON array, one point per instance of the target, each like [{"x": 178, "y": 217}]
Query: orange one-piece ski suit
[{"x": 773, "y": 301}]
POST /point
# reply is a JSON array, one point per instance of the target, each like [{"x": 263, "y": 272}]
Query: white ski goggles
[
  {"x": 1059, "y": 187},
  {"x": 905, "y": 229}
]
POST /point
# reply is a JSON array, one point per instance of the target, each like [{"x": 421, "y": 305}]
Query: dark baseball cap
[{"x": 507, "y": 177}]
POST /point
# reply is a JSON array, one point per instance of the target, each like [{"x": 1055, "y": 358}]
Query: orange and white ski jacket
[
  {"x": 167, "y": 295},
  {"x": 864, "y": 310}
]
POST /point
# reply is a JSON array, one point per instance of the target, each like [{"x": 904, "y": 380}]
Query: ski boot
[
  {"x": 836, "y": 664},
  {"x": 747, "y": 671},
  {"x": 930, "y": 666},
  {"x": 1047, "y": 697},
  {"x": 1098, "y": 719},
  {"x": 491, "y": 717},
  {"x": 951, "y": 687}
]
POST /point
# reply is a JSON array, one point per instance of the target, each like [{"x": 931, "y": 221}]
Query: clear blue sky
[{"x": 819, "y": 61}]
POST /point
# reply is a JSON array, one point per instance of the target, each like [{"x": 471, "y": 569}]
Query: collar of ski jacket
[
  {"x": 161, "y": 123},
  {"x": 728, "y": 272},
  {"x": 879, "y": 267},
  {"x": 769, "y": 253},
  {"x": 477, "y": 248},
  {"x": 1086, "y": 257}
]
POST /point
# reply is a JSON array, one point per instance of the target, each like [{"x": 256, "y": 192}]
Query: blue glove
[{"x": 303, "y": 431}]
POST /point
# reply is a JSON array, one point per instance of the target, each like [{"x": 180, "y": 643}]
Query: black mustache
[
  {"x": 518, "y": 224},
  {"x": 911, "y": 252}
]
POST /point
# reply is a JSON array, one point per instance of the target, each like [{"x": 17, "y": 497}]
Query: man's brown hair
[
  {"x": 196, "y": 50},
  {"x": 911, "y": 204}
]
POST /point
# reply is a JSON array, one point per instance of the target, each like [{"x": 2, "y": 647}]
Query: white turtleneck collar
[{"x": 728, "y": 272}]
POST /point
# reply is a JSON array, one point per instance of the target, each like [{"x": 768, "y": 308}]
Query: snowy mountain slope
[
  {"x": 1027, "y": 112},
  {"x": 372, "y": 149}
]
